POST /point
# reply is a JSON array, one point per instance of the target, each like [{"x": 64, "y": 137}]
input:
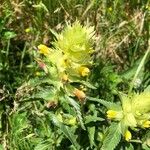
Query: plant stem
[{"x": 139, "y": 68}]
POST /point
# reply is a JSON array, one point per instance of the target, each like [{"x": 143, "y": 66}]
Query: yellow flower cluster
[
  {"x": 72, "y": 52},
  {"x": 135, "y": 112}
]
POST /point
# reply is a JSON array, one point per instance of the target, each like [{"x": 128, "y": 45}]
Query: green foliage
[
  {"x": 112, "y": 137},
  {"x": 66, "y": 130},
  {"x": 73, "y": 75}
]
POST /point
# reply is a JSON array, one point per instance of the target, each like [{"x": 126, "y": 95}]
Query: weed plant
[{"x": 74, "y": 74}]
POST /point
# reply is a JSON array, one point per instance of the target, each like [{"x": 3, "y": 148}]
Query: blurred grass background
[{"x": 122, "y": 33}]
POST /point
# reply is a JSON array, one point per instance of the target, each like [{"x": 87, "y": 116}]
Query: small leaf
[
  {"x": 112, "y": 138},
  {"x": 45, "y": 145},
  {"x": 66, "y": 130},
  {"x": 91, "y": 134},
  {"x": 8, "y": 35},
  {"x": 109, "y": 105},
  {"x": 78, "y": 110},
  {"x": 88, "y": 84},
  {"x": 89, "y": 119},
  {"x": 129, "y": 147},
  {"x": 47, "y": 94}
]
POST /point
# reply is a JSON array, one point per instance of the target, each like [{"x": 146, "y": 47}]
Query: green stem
[
  {"x": 139, "y": 69},
  {"x": 22, "y": 57}
]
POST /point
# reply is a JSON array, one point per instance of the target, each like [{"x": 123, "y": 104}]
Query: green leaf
[
  {"x": 43, "y": 146},
  {"x": 147, "y": 89},
  {"x": 128, "y": 74},
  {"x": 1, "y": 147},
  {"x": 66, "y": 130},
  {"x": 37, "y": 81},
  {"x": 109, "y": 105},
  {"x": 87, "y": 84},
  {"x": 139, "y": 69},
  {"x": 47, "y": 94},
  {"x": 78, "y": 110},
  {"x": 89, "y": 119},
  {"x": 8, "y": 35},
  {"x": 91, "y": 134},
  {"x": 112, "y": 138},
  {"x": 129, "y": 147}
]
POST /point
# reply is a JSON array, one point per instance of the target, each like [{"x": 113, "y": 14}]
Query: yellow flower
[
  {"x": 27, "y": 30},
  {"x": 111, "y": 114},
  {"x": 72, "y": 121},
  {"x": 146, "y": 124},
  {"x": 37, "y": 73},
  {"x": 84, "y": 71},
  {"x": 44, "y": 49},
  {"x": 128, "y": 135},
  {"x": 110, "y": 9},
  {"x": 147, "y": 7}
]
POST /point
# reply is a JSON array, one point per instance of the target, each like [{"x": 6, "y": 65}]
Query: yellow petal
[
  {"x": 72, "y": 121},
  {"x": 27, "y": 30},
  {"x": 84, "y": 71},
  {"x": 128, "y": 135},
  {"x": 37, "y": 73},
  {"x": 44, "y": 49},
  {"x": 146, "y": 124},
  {"x": 111, "y": 114}
]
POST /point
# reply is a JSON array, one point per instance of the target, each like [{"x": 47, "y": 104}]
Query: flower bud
[
  {"x": 43, "y": 66},
  {"x": 146, "y": 124},
  {"x": 79, "y": 94},
  {"x": 111, "y": 114},
  {"x": 84, "y": 71},
  {"x": 72, "y": 121},
  {"x": 128, "y": 135},
  {"x": 116, "y": 115},
  {"x": 37, "y": 73},
  {"x": 44, "y": 49}
]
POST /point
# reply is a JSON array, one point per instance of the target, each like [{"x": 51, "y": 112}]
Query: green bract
[
  {"x": 135, "y": 110},
  {"x": 76, "y": 42}
]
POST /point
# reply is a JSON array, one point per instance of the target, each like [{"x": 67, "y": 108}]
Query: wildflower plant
[
  {"x": 63, "y": 86},
  {"x": 66, "y": 67},
  {"x": 132, "y": 113}
]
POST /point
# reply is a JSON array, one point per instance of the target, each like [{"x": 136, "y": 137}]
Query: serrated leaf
[
  {"x": 129, "y": 147},
  {"x": 78, "y": 110},
  {"x": 112, "y": 138},
  {"x": 89, "y": 119},
  {"x": 66, "y": 130},
  {"x": 45, "y": 94},
  {"x": 87, "y": 84},
  {"x": 109, "y": 105},
  {"x": 91, "y": 134},
  {"x": 46, "y": 145},
  {"x": 37, "y": 81}
]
